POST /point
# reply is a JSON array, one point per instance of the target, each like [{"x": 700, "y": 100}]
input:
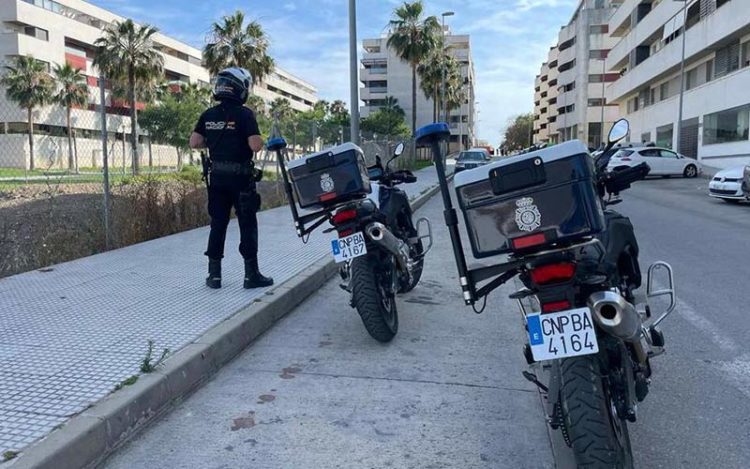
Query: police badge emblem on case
[
  {"x": 326, "y": 182},
  {"x": 528, "y": 217}
]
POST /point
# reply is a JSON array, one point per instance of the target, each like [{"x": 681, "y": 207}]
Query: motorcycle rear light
[
  {"x": 555, "y": 306},
  {"x": 553, "y": 273},
  {"x": 345, "y": 233},
  {"x": 344, "y": 216},
  {"x": 529, "y": 241}
]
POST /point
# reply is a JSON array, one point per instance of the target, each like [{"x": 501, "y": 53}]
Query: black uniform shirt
[{"x": 226, "y": 128}]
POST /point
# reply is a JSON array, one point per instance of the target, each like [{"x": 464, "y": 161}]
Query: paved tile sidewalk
[{"x": 70, "y": 334}]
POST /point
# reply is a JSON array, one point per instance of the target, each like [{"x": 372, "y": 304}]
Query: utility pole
[
  {"x": 604, "y": 75},
  {"x": 442, "y": 88},
  {"x": 105, "y": 162},
  {"x": 353, "y": 72},
  {"x": 682, "y": 76}
]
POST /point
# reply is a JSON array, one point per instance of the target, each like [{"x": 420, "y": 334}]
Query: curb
[{"x": 90, "y": 437}]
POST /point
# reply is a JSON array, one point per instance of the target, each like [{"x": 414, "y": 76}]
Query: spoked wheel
[
  {"x": 598, "y": 436},
  {"x": 691, "y": 171},
  {"x": 374, "y": 298},
  {"x": 415, "y": 252}
]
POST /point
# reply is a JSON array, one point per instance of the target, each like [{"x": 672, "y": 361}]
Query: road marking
[
  {"x": 719, "y": 338},
  {"x": 738, "y": 372}
]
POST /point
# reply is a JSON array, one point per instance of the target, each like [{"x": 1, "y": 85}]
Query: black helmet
[{"x": 232, "y": 84}]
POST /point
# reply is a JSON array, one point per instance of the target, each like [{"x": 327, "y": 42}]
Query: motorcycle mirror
[
  {"x": 619, "y": 130},
  {"x": 399, "y": 149}
]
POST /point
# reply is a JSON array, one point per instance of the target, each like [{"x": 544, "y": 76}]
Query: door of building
[{"x": 689, "y": 138}]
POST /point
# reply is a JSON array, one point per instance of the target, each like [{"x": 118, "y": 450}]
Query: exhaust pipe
[
  {"x": 615, "y": 315},
  {"x": 380, "y": 235}
]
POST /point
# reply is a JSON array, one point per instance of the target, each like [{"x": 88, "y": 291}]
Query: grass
[
  {"x": 149, "y": 365},
  {"x": 8, "y": 455},
  {"x": 421, "y": 164},
  {"x": 127, "y": 382}
]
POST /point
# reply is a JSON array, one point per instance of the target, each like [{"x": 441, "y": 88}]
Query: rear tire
[
  {"x": 599, "y": 438},
  {"x": 416, "y": 273},
  {"x": 375, "y": 305},
  {"x": 691, "y": 171}
]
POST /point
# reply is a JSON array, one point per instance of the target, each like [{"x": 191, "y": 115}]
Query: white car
[
  {"x": 727, "y": 185},
  {"x": 662, "y": 161}
]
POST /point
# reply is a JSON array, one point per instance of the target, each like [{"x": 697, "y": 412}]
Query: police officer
[{"x": 230, "y": 133}]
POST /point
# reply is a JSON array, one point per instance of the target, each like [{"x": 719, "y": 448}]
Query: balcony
[{"x": 729, "y": 20}]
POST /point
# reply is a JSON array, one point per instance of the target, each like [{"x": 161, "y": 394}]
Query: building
[
  {"x": 569, "y": 101},
  {"x": 648, "y": 55},
  {"x": 59, "y": 31},
  {"x": 384, "y": 74}
]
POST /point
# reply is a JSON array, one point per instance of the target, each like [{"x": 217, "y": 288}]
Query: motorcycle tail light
[
  {"x": 529, "y": 241},
  {"x": 344, "y": 216},
  {"x": 553, "y": 273},
  {"x": 345, "y": 233},
  {"x": 327, "y": 197},
  {"x": 556, "y": 306}
]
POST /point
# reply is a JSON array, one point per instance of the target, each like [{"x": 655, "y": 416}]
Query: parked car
[
  {"x": 662, "y": 161},
  {"x": 727, "y": 185},
  {"x": 471, "y": 159}
]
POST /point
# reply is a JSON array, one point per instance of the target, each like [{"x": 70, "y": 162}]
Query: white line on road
[{"x": 719, "y": 338}]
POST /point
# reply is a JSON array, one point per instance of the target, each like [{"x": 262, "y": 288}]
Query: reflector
[{"x": 553, "y": 273}]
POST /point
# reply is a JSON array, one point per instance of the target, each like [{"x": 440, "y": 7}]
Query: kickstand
[{"x": 531, "y": 377}]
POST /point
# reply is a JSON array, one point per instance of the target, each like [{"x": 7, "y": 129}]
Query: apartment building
[
  {"x": 569, "y": 101},
  {"x": 647, "y": 59},
  {"x": 59, "y": 31},
  {"x": 384, "y": 74}
]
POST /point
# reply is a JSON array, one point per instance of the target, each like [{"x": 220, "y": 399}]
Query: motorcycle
[
  {"x": 379, "y": 247},
  {"x": 577, "y": 260}
]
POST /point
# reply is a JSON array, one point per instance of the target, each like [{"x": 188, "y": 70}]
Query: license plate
[
  {"x": 348, "y": 247},
  {"x": 560, "y": 335}
]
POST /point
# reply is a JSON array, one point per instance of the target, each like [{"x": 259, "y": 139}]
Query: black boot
[
  {"x": 214, "y": 273},
  {"x": 253, "y": 277}
]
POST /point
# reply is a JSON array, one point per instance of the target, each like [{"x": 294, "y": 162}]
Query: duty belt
[{"x": 232, "y": 168}]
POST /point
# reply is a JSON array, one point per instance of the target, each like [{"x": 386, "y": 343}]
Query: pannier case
[
  {"x": 329, "y": 177},
  {"x": 528, "y": 202}
]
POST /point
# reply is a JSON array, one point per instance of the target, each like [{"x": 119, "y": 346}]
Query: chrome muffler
[
  {"x": 615, "y": 315},
  {"x": 380, "y": 235}
]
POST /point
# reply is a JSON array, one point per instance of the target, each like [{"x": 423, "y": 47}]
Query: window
[
  {"x": 727, "y": 126},
  {"x": 650, "y": 153},
  {"x": 567, "y": 66},
  {"x": 745, "y": 55},
  {"x": 38, "y": 33},
  {"x": 727, "y": 59},
  {"x": 597, "y": 102},
  {"x": 709, "y": 70},
  {"x": 598, "y": 53},
  {"x": 664, "y": 91},
  {"x": 645, "y": 137},
  {"x": 569, "y": 87},
  {"x": 691, "y": 79},
  {"x": 599, "y": 29},
  {"x": 652, "y": 96},
  {"x": 668, "y": 154},
  {"x": 664, "y": 136},
  {"x": 595, "y": 134}
]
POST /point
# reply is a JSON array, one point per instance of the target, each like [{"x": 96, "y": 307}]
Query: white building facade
[
  {"x": 716, "y": 109},
  {"x": 384, "y": 74},
  {"x": 569, "y": 101},
  {"x": 60, "y": 31}
]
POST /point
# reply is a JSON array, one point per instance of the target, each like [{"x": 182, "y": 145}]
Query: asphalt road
[{"x": 316, "y": 391}]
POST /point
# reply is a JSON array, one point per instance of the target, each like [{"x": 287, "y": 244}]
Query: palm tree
[
  {"x": 413, "y": 38},
  {"x": 440, "y": 70},
  {"x": 281, "y": 109},
  {"x": 239, "y": 45},
  {"x": 126, "y": 53},
  {"x": 28, "y": 83},
  {"x": 390, "y": 104},
  {"x": 73, "y": 91},
  {"x": 257, "y": 104}
]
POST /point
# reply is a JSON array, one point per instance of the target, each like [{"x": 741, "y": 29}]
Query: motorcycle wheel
[
  {"x": 373, "y": 298},
  {"x": 599, "y": 437},
  {"x": 416, "y": 273}
]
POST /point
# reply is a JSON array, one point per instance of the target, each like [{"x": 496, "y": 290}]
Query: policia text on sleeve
[{"x": 229, "y": 131}]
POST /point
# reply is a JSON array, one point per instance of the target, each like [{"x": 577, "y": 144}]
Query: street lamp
[
  {"x": 353, "y": 71},
  {"x": 682, "y": 72},
  {"x": 442, "y": 92}
]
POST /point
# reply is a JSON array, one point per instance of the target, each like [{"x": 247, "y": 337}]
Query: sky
[{"x": 309, "y": 38}]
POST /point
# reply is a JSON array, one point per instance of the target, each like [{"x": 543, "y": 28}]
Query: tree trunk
[
  {"x": 133, "y": 121},
  {"x": 31, "y": 140},
  {"x": 413, "y": 97},
  {"x": 179, "y": 159},
  {"x": 71, "y": 160}
]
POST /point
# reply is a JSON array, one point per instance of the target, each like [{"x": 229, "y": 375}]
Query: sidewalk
[{"x": 72, "y": 333}]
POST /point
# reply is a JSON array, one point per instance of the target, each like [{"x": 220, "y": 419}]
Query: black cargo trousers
[{"x": 223, "y": 194}]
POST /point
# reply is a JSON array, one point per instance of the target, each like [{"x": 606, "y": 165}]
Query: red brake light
[
  {"x": 553, "y": 273},
  {"x": 556, "y": 306},
  {"x": 327, "y": 196},
  {"x": 344, "y": 216},
  {"x": 529, "y": 241}
]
